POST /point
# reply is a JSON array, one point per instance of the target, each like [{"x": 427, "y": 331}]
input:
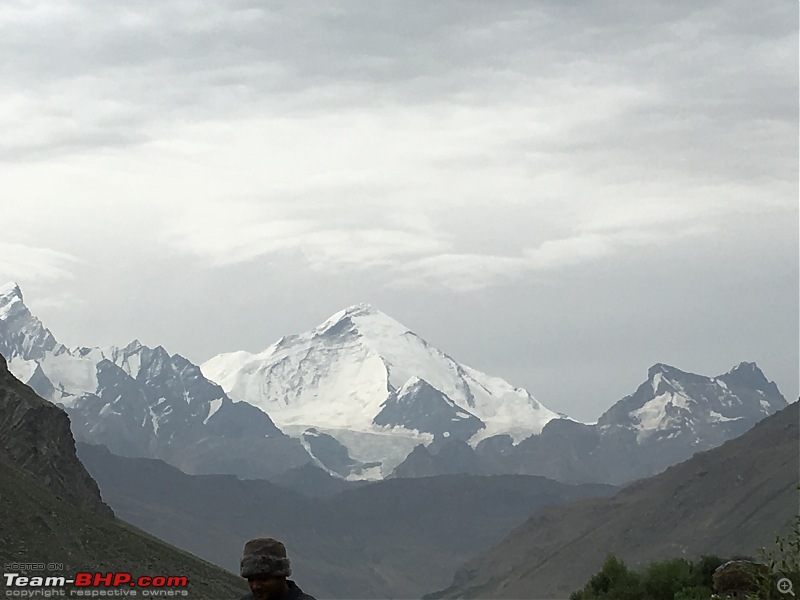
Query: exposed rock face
[
  {"x": 36, "y": 434},
  {"x": 420, "y": 406},
  {"x": 442, "y": 457}
]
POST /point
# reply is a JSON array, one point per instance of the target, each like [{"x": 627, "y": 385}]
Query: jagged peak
[
  {"x": 132, "y": 347},
  {"x": 29, "y": 338},
  {"x": 749, "y": 375},
  {"x": 745, "y": 367},
  {"x": 160, "y": 352},
  {"x": 9, "y": 290},
  {"x": 672, "y": 375},
  {"x": 11, "y": 302},
  {"x": 664, "y": 369}
]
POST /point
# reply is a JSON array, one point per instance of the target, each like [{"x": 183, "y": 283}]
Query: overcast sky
[{"x": 558, "y": 193}]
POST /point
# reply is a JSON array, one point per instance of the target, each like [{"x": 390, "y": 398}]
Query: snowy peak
[
  {"x": 9, "y": 293},
  {"x": 22, "y": 335},
  {"x": 359, "y": 364},
  {"x": 360, "y": 319},
  {"x": 673, "y": 402},
  {"x": 362, "y": 309}
]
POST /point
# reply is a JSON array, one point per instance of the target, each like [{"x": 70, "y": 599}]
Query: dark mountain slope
[
  {"x": 37, "y": 526},
  {"x": 36, "y": 435},
  {"x": 51, "y": 511},
  {"x": 389, "y": 539},
  {"x": 729, "y": 500}
]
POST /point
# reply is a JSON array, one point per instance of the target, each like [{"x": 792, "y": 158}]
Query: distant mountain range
[
  {"x": 51, "y": 511},
  {"x": 363, "y": 397},
  {"x": 727, "y": 501}
]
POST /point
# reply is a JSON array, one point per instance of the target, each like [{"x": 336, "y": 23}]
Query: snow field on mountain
[
  {"x": 77, "y": 375},
  {"x": 504, "y": 408},
  {"x": 22, "y": 369}
]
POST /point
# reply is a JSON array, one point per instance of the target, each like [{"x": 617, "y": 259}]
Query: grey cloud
[
  {"x": 181, "y": 60},
  {"x": 69, "y": 143},
  {"x": 34, "y": 263}
]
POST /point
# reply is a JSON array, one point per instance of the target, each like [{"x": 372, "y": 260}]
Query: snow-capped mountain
[
  {"x": 363, "y": 372},
  {"x": 21, "y": 334},
  {"x": 357, "y": 395},
  {"x": 670, "y": 416},
  {"x": 142, "y": 401},
  {"x": 673, "y": 403}
]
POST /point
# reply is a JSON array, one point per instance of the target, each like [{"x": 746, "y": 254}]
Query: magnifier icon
[{"x": 785, "y": 586}]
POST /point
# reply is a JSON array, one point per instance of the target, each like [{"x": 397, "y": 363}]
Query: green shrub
[
  {"x": 697, "y": 592},
  {"x": 613, "y": 580},
  {"x": 782, "y": 560},
  {"x": 662, "y": 580}
]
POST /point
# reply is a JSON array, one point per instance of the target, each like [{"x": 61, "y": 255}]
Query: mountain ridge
[
  {"x": 669, "y": 417},
  {"x": 355, "y": 395},
  {"x": 144, "y": 401},
  {"x": 728, "y": 500}
]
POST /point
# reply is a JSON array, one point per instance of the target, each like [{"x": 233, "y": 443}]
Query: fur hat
[{"x": 265, "y": 556}]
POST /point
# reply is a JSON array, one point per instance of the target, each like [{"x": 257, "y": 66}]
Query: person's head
[{"x": 265, "y": 566}]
